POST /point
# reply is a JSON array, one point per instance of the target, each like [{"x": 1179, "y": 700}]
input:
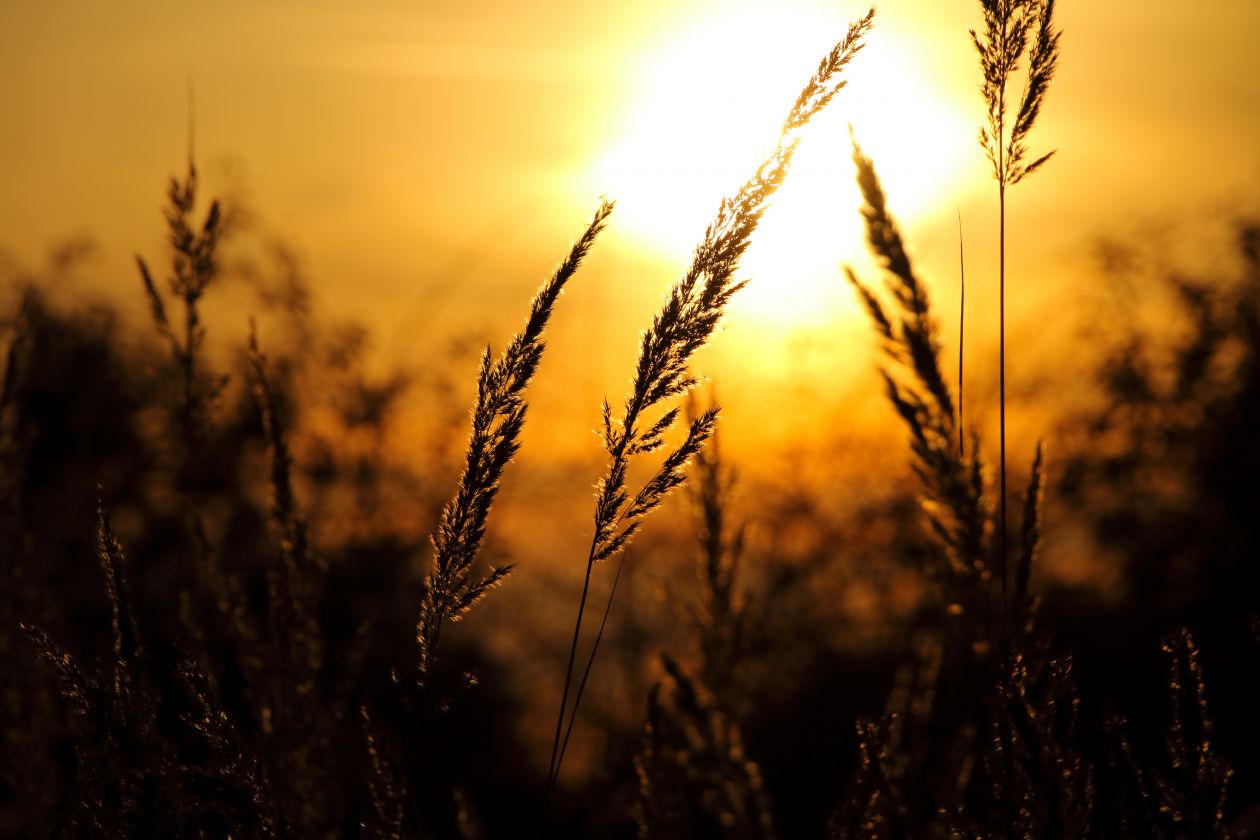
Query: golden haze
[{"x": 424, "y": 159}]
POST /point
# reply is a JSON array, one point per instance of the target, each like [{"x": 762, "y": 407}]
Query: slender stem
[
  {"x": 962, "y": 332},
  {"x": 568, "y": 671},
  {"x": 1007, "y": 746},
  {"x": 1000, "y": 142},
  {"x": 557, "y": 747},
  {"x": 1004, "y": 614},
  {"x": 1002, "y": 385},
  {"x": 189, "y": 371},
  {"x": 590, "y": 663}
]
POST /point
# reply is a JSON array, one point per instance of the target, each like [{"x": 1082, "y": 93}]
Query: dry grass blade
[{"x": 452, "y": 588}]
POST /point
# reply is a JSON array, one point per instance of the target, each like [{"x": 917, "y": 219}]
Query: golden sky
[{"x": 430, "y": 160}]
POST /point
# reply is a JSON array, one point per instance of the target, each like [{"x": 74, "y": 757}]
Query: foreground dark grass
[{"x": 738, "y": 726}]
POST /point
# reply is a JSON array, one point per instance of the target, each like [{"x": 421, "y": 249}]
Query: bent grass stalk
[{"x": 686, "y": 322}]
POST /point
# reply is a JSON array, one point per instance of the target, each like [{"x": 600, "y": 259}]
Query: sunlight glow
[{"x": 708, "y": 105}]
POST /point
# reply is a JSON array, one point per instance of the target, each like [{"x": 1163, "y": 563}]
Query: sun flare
[{"x": 707, "y": 105}]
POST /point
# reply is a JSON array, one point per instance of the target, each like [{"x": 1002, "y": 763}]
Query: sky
[{"x": 429, "y": 161}]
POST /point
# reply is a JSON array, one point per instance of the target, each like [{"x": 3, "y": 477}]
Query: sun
[{"x": 707, "y": 104}]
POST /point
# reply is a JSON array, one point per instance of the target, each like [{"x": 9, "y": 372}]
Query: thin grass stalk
[
  {"x": 590, "y": 661},
  {"x": 962, "y": 334},
  {"x": 652, "y": 494},
  {"x": 1002, "y": 557},
  {"x": 1008, "y": 27}
]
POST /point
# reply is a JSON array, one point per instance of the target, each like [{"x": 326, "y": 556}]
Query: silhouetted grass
[
  {"x": 1009, "y": 26},
  {"x": 233, "y": 675}
]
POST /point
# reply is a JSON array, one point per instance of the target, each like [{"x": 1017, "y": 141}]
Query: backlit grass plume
[
  {"x": 1009, "y": 26},
  {"x": 452, "y": 588},
  {"x": 1014, "y": 30},
  {"x": 691, "y": 313},
  {"x": 952, "y": 481},
  {"x": 193, "y": 269}
]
